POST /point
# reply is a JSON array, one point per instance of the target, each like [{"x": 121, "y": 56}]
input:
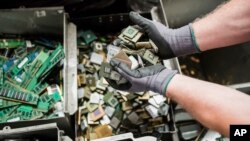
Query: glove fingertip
[
  {"x": 114, "y": 62},
  {"x": 135, "y": 17}
]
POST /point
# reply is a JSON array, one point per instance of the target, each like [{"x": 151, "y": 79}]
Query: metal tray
[{"x": 53, "y": 23}]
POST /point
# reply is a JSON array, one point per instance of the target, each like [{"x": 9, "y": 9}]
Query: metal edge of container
[
  {"x": 159, "y": 16},
  {"x": 174, "y": 61},
  {"x": 243, "y": 87},
  {"x": 70, "y": 65},
  {"x": 7, "y": 130}
]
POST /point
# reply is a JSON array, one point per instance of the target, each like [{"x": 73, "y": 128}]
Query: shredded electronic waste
[
  {"x": 104, "y": 111},
  {"x": 31, "y": 79}
]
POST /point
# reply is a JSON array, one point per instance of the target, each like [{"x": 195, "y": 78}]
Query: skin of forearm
[
  {"x": 228, "y": 25},
  {"x": 215, "y": 106}
]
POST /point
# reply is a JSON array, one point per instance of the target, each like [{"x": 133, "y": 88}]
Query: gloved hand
[
  {"x": 170, "y": 42},
  {"x": 154, "y": 78}
]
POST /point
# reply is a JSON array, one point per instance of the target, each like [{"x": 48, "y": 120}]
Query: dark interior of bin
[
  {"x": 114, "y": 23},
  {"x": 106, "y": 23},
  {"x": 47, "y": 22},
  {"x": 225, "y": 66}
]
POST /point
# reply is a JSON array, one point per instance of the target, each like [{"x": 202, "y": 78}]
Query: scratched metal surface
[{"x": 37, "y": 21}]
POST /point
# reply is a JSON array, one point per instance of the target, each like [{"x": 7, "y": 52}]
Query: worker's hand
[
  {"x": 154, "y": 78},
  {"x": 170, "y": 42}
]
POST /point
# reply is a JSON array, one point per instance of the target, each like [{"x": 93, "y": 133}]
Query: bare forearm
[
  {"x": 227, "y": 25},
  {"x": 213, "y": 105}
]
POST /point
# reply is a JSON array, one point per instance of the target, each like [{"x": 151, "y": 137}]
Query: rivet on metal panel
[
  {"x": 41, "y": 13},
  {"x": 110, "y": 18},
  {"x": 121, "y": 18},
  {"x": 6, "y": 128}
]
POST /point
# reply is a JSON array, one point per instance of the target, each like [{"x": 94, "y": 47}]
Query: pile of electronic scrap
[
  {"x": 104, "y": 111},
  {"x": 30, "y": 76}
]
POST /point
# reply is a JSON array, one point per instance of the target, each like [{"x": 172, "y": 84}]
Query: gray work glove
[
  {"x": 154, "y": 78},
  {"x": 170, "y": 42}
]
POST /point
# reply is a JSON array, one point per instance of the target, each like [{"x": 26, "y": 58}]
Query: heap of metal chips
[{"x": 104, "y": 111}]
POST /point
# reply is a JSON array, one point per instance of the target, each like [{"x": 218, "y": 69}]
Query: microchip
[
  {"x": 88, "y": 36},
  {"x": 150, "y": 57}
]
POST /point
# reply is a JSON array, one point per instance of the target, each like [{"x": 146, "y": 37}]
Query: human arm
[
  {"x": 228, "y": 25},
  {"x": 215, "y": 106}
]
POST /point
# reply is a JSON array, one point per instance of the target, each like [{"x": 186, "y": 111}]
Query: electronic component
[
  {"x": 152, "y": 111},
  {"x": 94, "y": 98},
  {"x": 143, "y": 45},
  {"x": 112, "y": 51},
  {"x": 97, "y": 114},
  {"x": 110, "y": 99},
  {"x": 100, "y": 85},
  {"x": 55, "y": 93},
  {"x": 7, "y": 111},
  {"x": 84, "y": 125},
  {"x": 7, "y": 103},
  {"x": 80, "y": 93},
  {"x": 109, "y": 111},
  {"x": 26, "y": 111},
  {"x": 49, "y": 63},
  {"x": 20, "y": 52},
  {"x": 135, "y": 63},
  {"x": 159, "y": 99},
  {"x": 91, "y": 82},
  {"x": 40, "y": 88},
  {"x": 20, "y": 96},
  {"x": 145, "y": 96},
  {"x": 126, "y": 106},
  {"x": 150, "y": 57},
  {"x": 130, "y": 34},
  {"x": 96, "y": 58},
  {"x": 152, "y": 102},
  {"x": 1, "y": 76},
  {"x": 91, "y": 107},
  {"x": 98, "y": 47},
  {"x": 88, "y": 36},
  {"x": 115, "y": 76},
  {"x": 153, "y": 46},
  {"x": 13, "y": 118},
  {"x": 90, "y": 121},
  {"x": 163, "y": 109},
  {"x": 81, "y": 68},
  {"x": 189, "y": 131},
  {"x": 116, "y": 119},
  {"x": 122, "y": 56},
  {"x": 133, "y": 117},
  {"x": 105, "y": 120},
  {"x": 103, "y": 131},
  {"x": 115, "y": 122},
  {"x": 82, "y": 79},
  {"x": 12, "y": 43},
  {"x": 105, "y": 70}
]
